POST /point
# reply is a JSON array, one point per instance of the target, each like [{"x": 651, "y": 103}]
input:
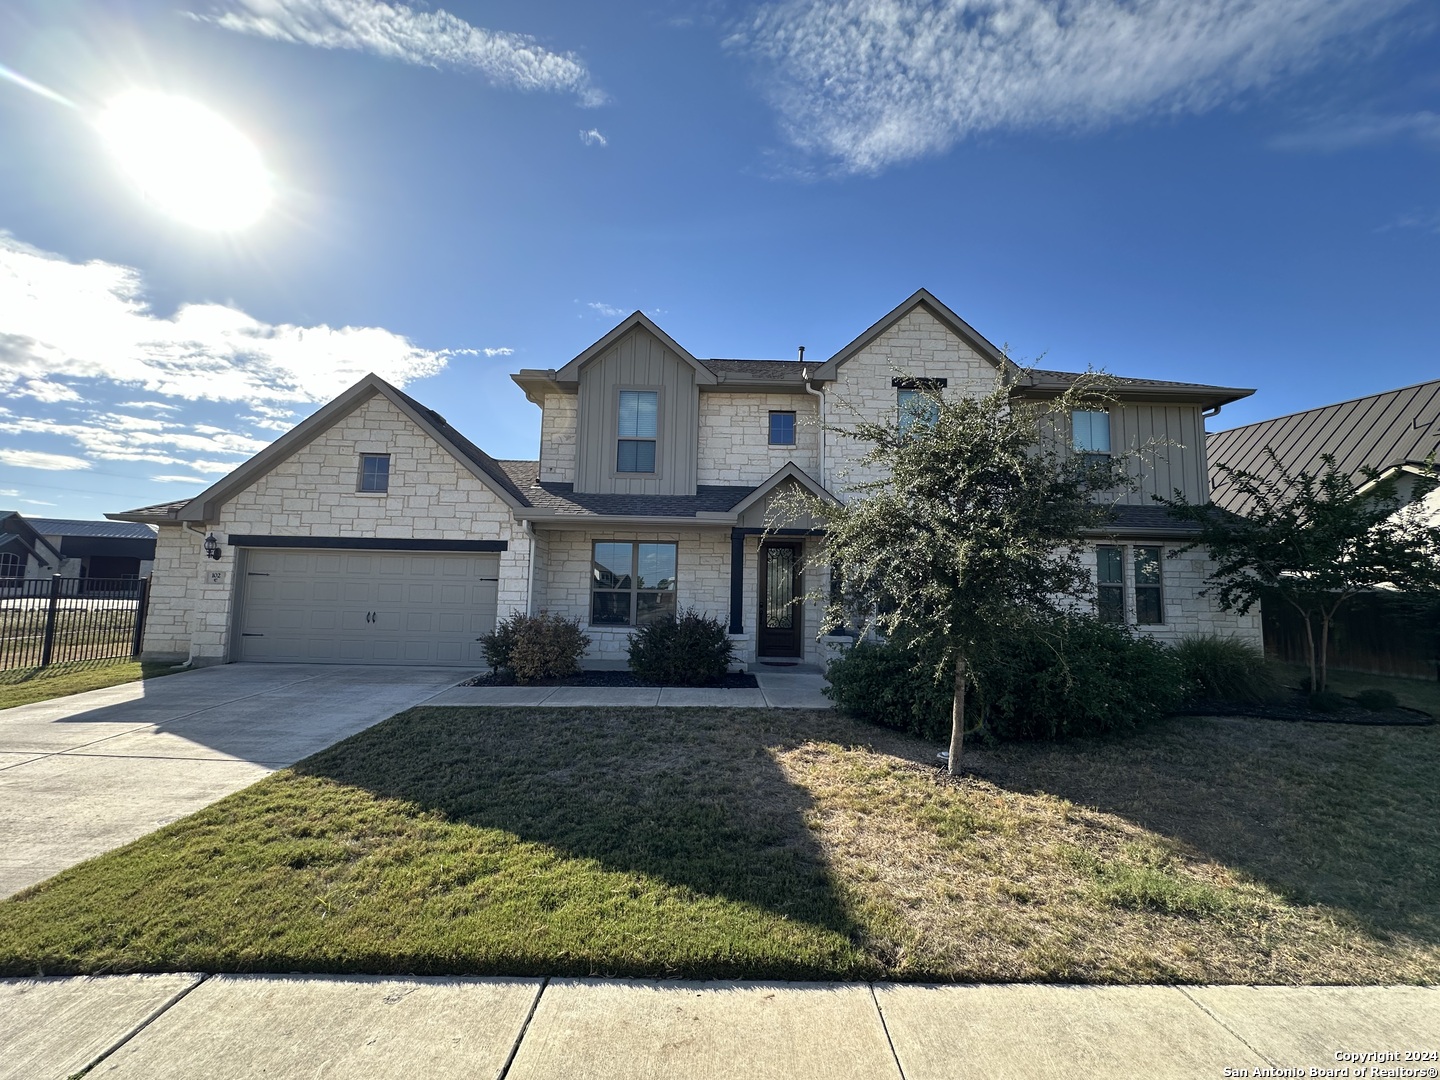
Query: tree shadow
[
  {"x": 690, "y": 797},
  {"x": 1347, "y": 817}
]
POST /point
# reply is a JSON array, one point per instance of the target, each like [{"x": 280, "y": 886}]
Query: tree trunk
[
  {"x": 1310, "y": 650},
  {"x": 957, "y": 716},
  {"x": 1325, "y": 648}
]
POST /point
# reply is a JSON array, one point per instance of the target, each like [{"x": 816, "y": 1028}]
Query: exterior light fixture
[{"x": 212, "y": 547}]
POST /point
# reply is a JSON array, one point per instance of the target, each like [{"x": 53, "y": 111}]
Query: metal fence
[{"x": 63, "y": 620}]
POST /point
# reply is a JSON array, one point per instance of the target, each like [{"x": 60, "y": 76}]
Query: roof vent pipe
[{"x": 802, "y": 354}]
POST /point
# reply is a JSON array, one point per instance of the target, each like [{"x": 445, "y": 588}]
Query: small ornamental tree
[
  {"x": 1315, "y": 540},
  {"x": 975, "y": 524}
]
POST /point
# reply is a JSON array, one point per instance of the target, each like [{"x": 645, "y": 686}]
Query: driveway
[{"x": 84, "y": 774}]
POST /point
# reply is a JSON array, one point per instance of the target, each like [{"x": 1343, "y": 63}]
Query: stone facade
[
  {"x": 735, "y": 433},
  {"x": 918, "y": 345},
  {"x": 312, "y": 493},
  {"x": 558, "y": 418},
  {"x": 1187, "y": 613}
]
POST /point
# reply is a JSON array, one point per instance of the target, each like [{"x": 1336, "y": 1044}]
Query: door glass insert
[{"x": 779, "y": 587}]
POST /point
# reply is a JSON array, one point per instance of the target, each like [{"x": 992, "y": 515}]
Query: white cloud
[
  {"x": 60, "y": 319},
  {"x": 593, "y": 138},
  {"x": 502, "y": 351},
  {"x": 36, "y": 502},
  {"x": 430, "y": 38},
  {"x": 180, "y": 480},
  {"x": 119, "y": 437},
  {"x": 147, "y": 405},
  {"x": 1421, "y": 221},
  {"x": 870, "y": 83},
  {"x": 1348, "y": 132},
  {"x": 34, "y": 459},
  {"x": 44, "y": 390},
  {"x": 9, "y": 493},
  {"x": 606, "y": 310}
]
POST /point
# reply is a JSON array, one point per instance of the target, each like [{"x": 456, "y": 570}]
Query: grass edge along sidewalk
[{"x": 730, "y": 843}]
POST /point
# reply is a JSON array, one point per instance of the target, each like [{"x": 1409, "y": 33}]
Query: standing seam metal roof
[{"x": 1380, "y": 431}]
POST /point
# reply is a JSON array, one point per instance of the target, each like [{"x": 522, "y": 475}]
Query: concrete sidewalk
[
  {"x": 174, "y": 1026},
  {"x": 776, "y": 690}
]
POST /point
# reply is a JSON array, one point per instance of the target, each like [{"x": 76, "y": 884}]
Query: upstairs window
[
  {"x": 374, "y": 472},
  {"x": 1110, "y": 582},
  {"x": 638, "y": 423},
  {"x": 1091, "y": 432},
  {"x": 782, "y": 429},
  {"x": 915, "y": 401},
  {"x": 1149, "y": 604}
]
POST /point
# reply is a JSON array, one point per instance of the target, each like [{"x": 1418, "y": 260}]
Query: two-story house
[{"x": 375, "y": 532}]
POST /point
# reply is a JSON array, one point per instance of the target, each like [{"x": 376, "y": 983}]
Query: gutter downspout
[{"x": 809, "y": 389}]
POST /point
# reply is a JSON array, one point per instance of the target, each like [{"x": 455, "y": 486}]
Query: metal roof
[
  {"x": 115, "y": 530},
  {"x": 1381, "y": 431}
]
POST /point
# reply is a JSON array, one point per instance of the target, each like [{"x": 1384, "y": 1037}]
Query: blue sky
[{"x": 1209, "y": 190}]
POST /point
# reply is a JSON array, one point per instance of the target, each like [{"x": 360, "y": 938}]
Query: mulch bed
[
  {"x": 733, "y": 680},
  {"x": 1298, "y": 712}
]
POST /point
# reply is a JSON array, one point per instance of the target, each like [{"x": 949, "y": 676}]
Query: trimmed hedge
[
  {"x": 688, "y": 649},
  {"x": 542, "y": 646}
]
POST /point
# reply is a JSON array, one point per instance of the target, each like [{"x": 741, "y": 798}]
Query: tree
[
  {"x": 976, "y": 522},
  {"x": 1315, "y": 540}
]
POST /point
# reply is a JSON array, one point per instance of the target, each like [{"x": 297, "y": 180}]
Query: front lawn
[
  {"x": 782, "y": 844},
  {"x": 22, "y": 686}
]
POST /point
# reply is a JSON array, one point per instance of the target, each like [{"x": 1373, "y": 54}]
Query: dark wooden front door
[{"x": 780, "y": 611}]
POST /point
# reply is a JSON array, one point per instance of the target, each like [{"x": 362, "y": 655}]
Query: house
[
  {"x": 33, "y": 548},
  {"x": 1394, "y": 433},
  {"x": 376, "y": 532}
]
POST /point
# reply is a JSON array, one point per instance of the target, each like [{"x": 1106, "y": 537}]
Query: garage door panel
[
  {"x": 422, "y": 593},
  {"x": 389, "y": 592}
]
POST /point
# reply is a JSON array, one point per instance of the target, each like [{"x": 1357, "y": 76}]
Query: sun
[{"x": 190, "y": 162}]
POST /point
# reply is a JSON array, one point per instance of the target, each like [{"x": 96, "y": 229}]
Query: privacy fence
[
  {"x": 1377, "y": 633},
  {"x": 63, "y": 620}
]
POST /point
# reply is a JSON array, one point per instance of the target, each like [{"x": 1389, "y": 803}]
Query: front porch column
[{"x": 737, "y": 581}]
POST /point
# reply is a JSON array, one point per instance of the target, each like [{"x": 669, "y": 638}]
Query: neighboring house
[
  {"x": 46, "y": 547},
  {"x": 376, "y": 532},
  {"x": 1394, "y": 433}
]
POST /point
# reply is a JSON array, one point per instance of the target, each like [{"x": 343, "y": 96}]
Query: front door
[{"x": 780, "y": 610}]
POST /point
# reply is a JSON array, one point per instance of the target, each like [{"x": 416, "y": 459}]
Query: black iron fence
[{"x": 63, "y": 620}]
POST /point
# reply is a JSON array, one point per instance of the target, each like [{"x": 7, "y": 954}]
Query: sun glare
[{"x": 192, "y": 164}]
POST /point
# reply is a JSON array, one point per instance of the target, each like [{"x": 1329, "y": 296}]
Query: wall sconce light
[{"x": 212, "y": 547}]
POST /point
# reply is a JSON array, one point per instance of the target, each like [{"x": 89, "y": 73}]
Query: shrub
[
  {"x": 1073, "y": 675},
  {"x": 1326, "y": 701},
  {"x": 688, "y": 649},
  {"x": 1377, "y": 700},
  {"x": 542, "y": 646},
  {"x": 1224, "y": 669},
  {"x": 892, "y": 685}
]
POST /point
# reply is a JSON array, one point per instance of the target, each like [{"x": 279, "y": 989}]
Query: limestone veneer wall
[
  {"x": 735, "y": 434},
  {"x": 1186, "y": 611},
  {"x": 918, "y": 345},
  {"x": 312, "y": 493},
  {"x": 558, "y": 417}
]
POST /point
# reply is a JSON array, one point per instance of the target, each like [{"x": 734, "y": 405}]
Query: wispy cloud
[
  {"x": 593, "y": 138},
  {"x": 110, "y": 436},
  {"x": 1334, "y": 134},
  {"x": 869, "y": 83},
  {"x": 61, "y": 320},
  {"x": 34, "y": 459},
  {"x": 1420, "y": 221},
  {"x": 430, "y": 38},
  {"x": 180, "y": 480},
  {"x": 606, "y": 310}
]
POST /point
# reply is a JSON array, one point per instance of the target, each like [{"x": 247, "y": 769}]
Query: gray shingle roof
[
  {"x": 1146, "y": 519},
  {"x": 119, "y": 530},
  {"x": 768, "y": 370},
  {"x": 1042, "y": 379},
  {"x": 1380, "y": 431},
  {"x": 563, "y": 499}
]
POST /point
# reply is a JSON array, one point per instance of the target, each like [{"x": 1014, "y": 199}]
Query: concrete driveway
[{"x": 81, "y": 775}]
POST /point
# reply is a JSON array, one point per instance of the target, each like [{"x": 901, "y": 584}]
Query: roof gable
[
  {"x": 924, "y": 299},
  {"x": 787, "y": 473},
  {"x": 637, "y": 321},
  {"x": 206, "y": 505}
]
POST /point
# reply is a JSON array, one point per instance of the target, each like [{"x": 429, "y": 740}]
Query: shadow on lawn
[
  {"x": 692, "y": 797},
  {"x": 1343, "y": 816}
]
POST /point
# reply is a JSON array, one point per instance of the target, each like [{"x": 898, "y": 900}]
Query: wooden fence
[{"x": 1377, "y": 633}]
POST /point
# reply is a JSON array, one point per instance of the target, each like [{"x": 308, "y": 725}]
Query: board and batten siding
[
  {"x": 638, "y": 361},
  {"x": 1175, "y": 458}
]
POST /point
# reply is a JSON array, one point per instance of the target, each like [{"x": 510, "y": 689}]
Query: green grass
[
  {"x": 1422, "y": 694},
  {"x": 781, "y": 844},
  {"x": 25, "y": 685}
]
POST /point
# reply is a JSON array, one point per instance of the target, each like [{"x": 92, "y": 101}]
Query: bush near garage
[
  {"x": 531, "y": 647},
  {"x": 685, "y": 649}
]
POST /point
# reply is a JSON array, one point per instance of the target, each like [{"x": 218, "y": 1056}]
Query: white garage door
[{"x": 352, "y": 607}]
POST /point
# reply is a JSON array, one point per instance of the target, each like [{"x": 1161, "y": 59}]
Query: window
[
  {"x": 1091, "y": 430},
  {"x": 631, "y": 584},
  {"x": 1149, "y": 604},
  {"x": 782, "y": 429},
  {"x": 916, "y": 406},
  {"x": 374, "y": 472},
  {"x": 638, "y": 421},
  {"x": 12, "y": 568},
  {"x": 1110, "y": 580}
]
